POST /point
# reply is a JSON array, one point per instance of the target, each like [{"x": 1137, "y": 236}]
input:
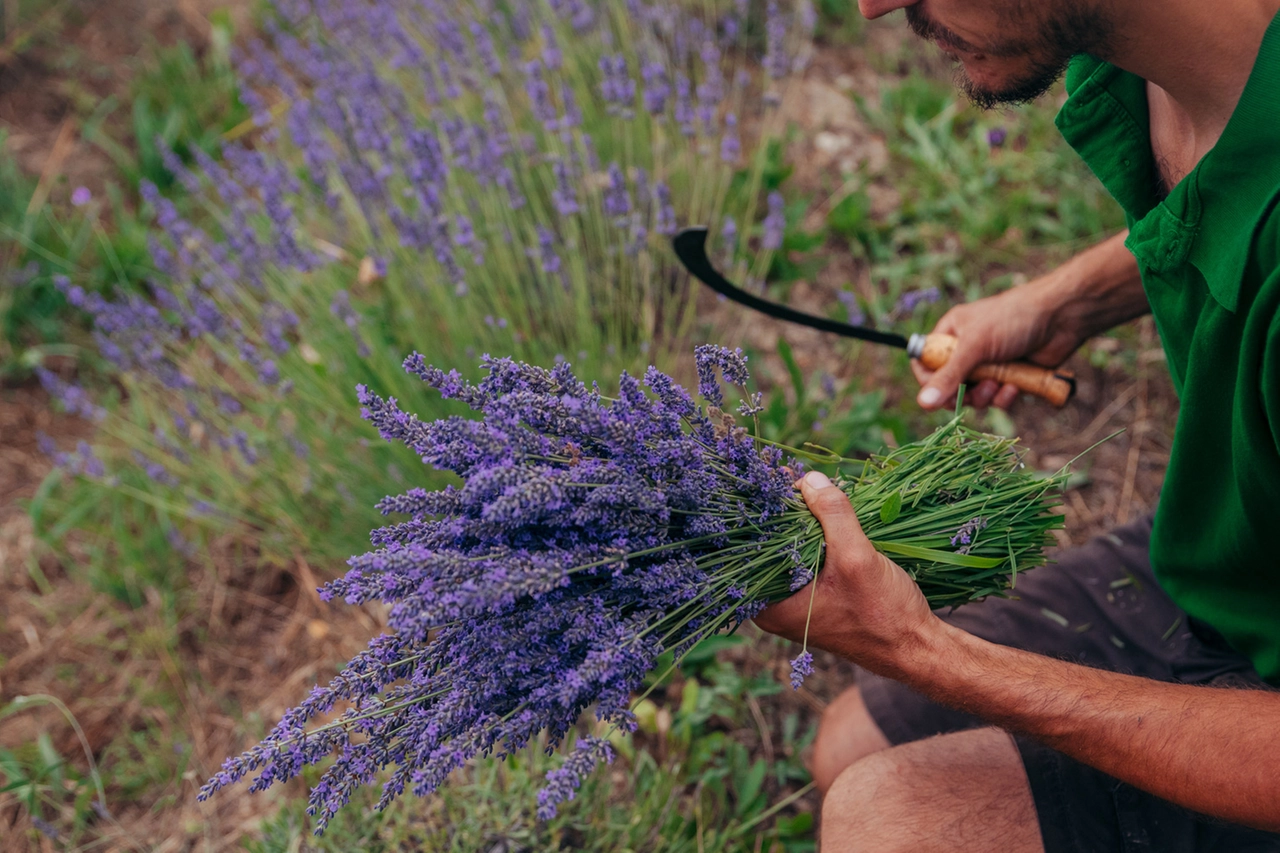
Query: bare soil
[{"x": 60, "y": 64}]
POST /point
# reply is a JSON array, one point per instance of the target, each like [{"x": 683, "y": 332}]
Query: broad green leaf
[
  {"x": 891, "y": 508},
  {"x": 748, "y": 785}
]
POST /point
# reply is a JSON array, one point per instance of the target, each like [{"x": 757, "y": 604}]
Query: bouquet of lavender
[{"x": 589, "y": 535}]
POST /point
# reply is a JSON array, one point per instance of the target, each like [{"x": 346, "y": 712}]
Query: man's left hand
[{"x": 865, "y": 607}]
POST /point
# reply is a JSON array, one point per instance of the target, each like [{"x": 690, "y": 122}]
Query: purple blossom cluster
[
  {"x": 446, "y": 142},
  {"x": 855, "y": 315},
  {"x": 83, "y": 461},
  {"x": 801, "y": 668},
  {"x": 910, "y": 300},
  {"x": 587, "y": 535},
  {"x": 775, "y": 223},
  {"x": 964, "y": 537}
]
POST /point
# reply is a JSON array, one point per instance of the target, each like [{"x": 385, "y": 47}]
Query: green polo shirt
[{"x": 1210, "y": 260}]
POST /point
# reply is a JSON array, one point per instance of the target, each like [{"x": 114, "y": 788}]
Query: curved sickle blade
[{"x": 691, "y": 248}]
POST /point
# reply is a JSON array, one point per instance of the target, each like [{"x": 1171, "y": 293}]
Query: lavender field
[{"x": 216, "y": 224}]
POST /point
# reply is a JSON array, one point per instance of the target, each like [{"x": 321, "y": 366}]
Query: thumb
[
  {"x": 941, "y": 388},
  {"x": 830, "y": 505}
]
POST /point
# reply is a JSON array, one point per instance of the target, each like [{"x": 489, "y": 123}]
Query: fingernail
[
  {"x": 929, "y": 397},
  {"x": 817, "y": 480}
]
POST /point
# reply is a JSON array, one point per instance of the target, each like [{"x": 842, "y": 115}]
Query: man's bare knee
[
  {"x": 846, "y": 734},
  {"x": 960, "y": 792}
]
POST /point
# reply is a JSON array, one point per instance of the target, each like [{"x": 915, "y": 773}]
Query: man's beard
[{"x": 1050, "y": 48}]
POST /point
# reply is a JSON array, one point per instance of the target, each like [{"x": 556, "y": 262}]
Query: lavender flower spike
[
  {"x": 912, "y": 299},
  {"x": 801, "y": 668},
  {"x": 775, "y": 223},
  {"x": 731, "y": 362},
  {"x": 730, "y": 144}
]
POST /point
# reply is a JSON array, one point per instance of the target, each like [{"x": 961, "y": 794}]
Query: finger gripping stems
[{"x": 935, "y": 350}]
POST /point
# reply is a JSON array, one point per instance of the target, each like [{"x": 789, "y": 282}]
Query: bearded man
[{"x": 1158, "y": 728}]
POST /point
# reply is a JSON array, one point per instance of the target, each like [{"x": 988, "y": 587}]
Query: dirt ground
[
  {"x": 59, "y": 64},
  {"x": 260, "y": 639}
]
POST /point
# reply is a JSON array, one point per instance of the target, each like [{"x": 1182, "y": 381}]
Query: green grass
[
  {"x": 967, "y": 207},
  {"x": 179, "y": 100}
]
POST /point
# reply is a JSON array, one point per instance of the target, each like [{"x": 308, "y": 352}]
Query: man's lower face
[
  {"x": 1017, "y": 69},
  {"x": 991, "y": 81}
]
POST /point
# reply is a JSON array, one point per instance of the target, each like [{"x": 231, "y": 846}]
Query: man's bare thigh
[{"x": 965, "y": 791}]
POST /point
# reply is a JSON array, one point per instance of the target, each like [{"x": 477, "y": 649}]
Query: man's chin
[{"x": 988, "y": 88}]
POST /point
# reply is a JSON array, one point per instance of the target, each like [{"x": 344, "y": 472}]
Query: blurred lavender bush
[{"x": 453, "y": 178}]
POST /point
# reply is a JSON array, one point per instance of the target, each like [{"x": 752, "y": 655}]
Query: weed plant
[{"x": 972, "y": 192}]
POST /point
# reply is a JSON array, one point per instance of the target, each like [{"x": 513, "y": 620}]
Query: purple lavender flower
[
  {"x": 849, "y": 300},
  {"x": 730, "y": 144},
  {"x": 551, "y": 56},
  {"x": 910, "y": 300},
  {"x": 563, "y": 782},
  {"x": 563, "y": 195},
  {"x": 617, "y": 88},
  {"x": 684, "y": 113},
  {"x": 72, "y": 397},
  {"x": 656, "y": 88},
  {"x": 776, "y": 61},
  {"x": 996, "y": 137},
  {"x": 666, "y": 212},
  {"x": 341, "y": 308},
  {"x": 732, "y": 363},
  {"x": 711, "y": 90},
  {"x": 81, "y": 196},
  {"x": 801, "y": 668},
  {"x": 963, "y": 540},
  {"x": 828, "y": 383},
  {"x": 86, "y": 462},
  {"x": 535, "y": 86},
  {"x": 617, "y": 200},
  {"x": 775, "y": 223},
  {"x": 572, "y": 114},
  {"x": 154, "y": 470},
  {"x": 729, "y": 233},
  {"x": 751, "y": 405},
  {"x": 548, "y": 259}
]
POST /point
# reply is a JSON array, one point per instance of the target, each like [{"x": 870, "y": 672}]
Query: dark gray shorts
[{"x": 1098, "y": 605}]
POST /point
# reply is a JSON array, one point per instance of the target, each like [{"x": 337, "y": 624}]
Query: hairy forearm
[
  {"x": 1213, "y": 750},
  {"x": 1095, "y": 290}
]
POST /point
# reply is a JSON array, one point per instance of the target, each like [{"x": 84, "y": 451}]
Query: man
[{"x": 1161, "y": 732}]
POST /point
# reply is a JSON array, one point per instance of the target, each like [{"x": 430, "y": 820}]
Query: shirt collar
[{"x": 1105, "y": 119}]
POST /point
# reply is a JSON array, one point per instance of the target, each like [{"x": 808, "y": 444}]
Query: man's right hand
[{"x": 1043, "y": 322}]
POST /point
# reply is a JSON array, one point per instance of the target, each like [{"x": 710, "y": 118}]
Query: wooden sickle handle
[{"x": 935, "y": 350}]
